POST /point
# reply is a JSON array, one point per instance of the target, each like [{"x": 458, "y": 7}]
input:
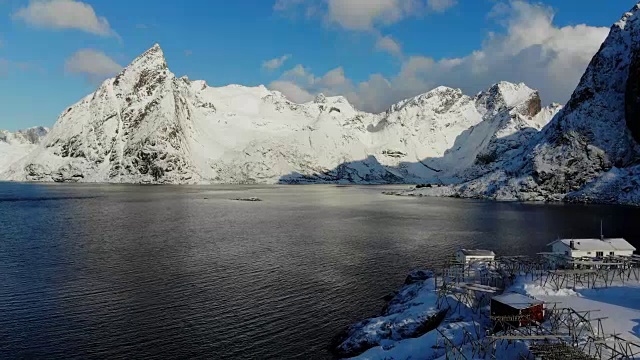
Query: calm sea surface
[{"x": 109, "y": 271}]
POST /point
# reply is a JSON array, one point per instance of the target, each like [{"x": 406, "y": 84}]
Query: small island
[{"x": 249, "y": 199}]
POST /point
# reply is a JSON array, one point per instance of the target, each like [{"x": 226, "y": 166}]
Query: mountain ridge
[
  {"x": 146, "y": 125},
  {"x": 589, "y": 152}
]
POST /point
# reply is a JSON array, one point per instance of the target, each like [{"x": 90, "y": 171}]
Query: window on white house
[
  {"x": 588, "y": 252},
  {"x": 612, "y": 253},
  {"x": 599, "y": 253}
]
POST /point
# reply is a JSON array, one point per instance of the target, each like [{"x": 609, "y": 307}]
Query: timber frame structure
[{"x": 564, "y": 334}]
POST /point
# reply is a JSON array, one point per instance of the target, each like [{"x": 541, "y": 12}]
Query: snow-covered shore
[{"x": 399, "y": 333}]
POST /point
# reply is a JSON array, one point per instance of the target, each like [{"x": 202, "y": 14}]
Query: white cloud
[
  {"x": 333, "y": 79},
  {"x": 300, "y": 85},
  {"x": 64, "y": 14},
  {"x": 188, "y": 52},
  {"x": 388, "y": 44},
  {"x": 276, "y": 63},
  {"x": 530, "y": 49},
  {"x": 362, "y": 15},
  {"x": 441, "y": 5},
  {"x": 93, "y": 64},
  {"x": 294, "y": 92}
]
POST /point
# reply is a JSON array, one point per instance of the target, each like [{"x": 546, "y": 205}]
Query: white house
[
  {"x": 467, "y": 256},
  {"x": 590, "y": 248}
]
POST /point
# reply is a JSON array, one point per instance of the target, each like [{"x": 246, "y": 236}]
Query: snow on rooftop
[
  {"x": 517, "y": 301},
  {"x": 477, "y": 252},
  {"x": 597, "y": 244}
]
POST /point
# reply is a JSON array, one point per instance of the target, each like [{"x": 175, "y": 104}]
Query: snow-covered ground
[{"x": 618, "y": 303}]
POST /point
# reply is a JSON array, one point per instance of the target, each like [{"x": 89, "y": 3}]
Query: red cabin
[{"x": 516, "y": 310}]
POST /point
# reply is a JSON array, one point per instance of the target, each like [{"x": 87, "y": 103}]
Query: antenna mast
[{"x": 601, "y": 233}]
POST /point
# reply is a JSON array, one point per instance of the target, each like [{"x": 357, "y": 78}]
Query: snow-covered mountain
[
  {"x": 148, "y": 126},
  {"x": 14, "y": 146},
  {"x": 590, "y": 151}
]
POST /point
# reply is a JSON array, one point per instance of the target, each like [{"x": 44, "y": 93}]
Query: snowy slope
[
  {"x": 590, "y": 151},
  {"x": 15, "y": 146},
  {"x": 148, "y": 126}
]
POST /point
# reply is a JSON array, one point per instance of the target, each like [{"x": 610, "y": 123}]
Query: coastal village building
[
  {"x": 466, "y": 256},
  {"x": 563, "y": 250},
  {"x": 516, "y": 310}
]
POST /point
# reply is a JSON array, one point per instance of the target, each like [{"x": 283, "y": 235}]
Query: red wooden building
[{"x": 516, "y": 310}]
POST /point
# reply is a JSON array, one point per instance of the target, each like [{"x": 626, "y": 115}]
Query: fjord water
[{"x": 113, "y": 271}]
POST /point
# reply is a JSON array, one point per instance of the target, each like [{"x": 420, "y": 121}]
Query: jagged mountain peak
[
  {"x": 152, "y": 59},
  {"x": 627, "y": 16},
  {"x": 505, "y": 95},
  {"x": 320, "y": 99},
  {"x": 143, "y": 69},
  {"x": 441, "y": 90}
]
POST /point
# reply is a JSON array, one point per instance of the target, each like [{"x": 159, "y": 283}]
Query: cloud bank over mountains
[{"x": 531, "y": 49}]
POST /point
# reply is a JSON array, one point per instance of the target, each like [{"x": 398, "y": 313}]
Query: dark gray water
[{"x": 92, "y": 271}]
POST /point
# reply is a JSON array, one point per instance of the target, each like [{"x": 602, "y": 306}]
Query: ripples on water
[{"x": 91, "y": 271}]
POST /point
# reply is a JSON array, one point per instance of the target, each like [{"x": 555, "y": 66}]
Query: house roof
[
  {"x": 597, "y": 244},
  {"x": 517, "y": 301},
  {"x": 477, "y": 252}
]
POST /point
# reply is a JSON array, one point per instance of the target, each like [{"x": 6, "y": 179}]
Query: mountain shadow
[{"x": 482, "y": 157}]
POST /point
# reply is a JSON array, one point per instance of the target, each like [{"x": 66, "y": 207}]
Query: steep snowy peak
[
  {"x": 505, "y": 96},
  {"x": 589, "y": 152},
  {"x": 622, "y": 23},
  {"x": 132, "y": 126},
  {"x": 605, "y": 107},
  {"x": 31, "y": 136},
  {"x": 152, "y": 59}
]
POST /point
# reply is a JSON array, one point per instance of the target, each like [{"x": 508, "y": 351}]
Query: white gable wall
[{"x": 561, "y": 248}]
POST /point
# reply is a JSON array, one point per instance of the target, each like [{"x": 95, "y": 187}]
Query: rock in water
[{"x": 249, "y": 199}]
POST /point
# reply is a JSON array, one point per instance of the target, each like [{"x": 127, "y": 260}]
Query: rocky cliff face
[
  {"x": 589, "y": 152},
  {"x": 148, "y": 126},
  {"x": 130, "y": 130}
]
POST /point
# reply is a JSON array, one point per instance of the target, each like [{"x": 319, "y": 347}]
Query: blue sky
[{"x": 374, "y": 52}]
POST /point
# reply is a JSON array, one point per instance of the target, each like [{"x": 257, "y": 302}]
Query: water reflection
[{"x": 174, "y": 272}]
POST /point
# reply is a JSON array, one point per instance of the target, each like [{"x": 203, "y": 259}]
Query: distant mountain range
[
  {"x": 14, "y": 146},
  {"x": 148, "y": 126}
]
